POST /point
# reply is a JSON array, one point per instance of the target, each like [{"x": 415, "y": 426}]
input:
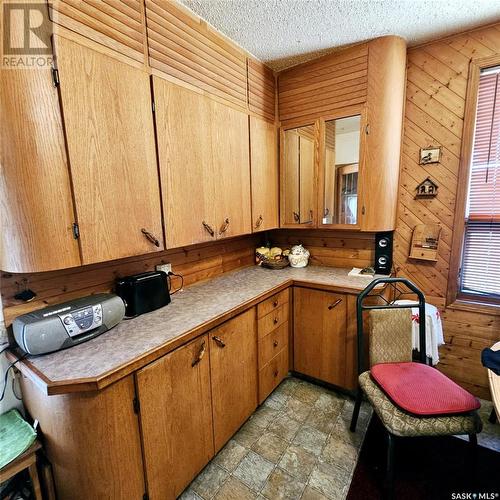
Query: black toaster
[{"x": 144, "y": 292}]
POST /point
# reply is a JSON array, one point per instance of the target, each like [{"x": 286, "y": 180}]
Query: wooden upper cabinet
[
  {"x": 176, "y": 418},
  {"x": 36, "y": 207},
  {"x": 320, "y": 334},
  {"x": 107, "y": 112},
  {"x": 384, "y": 110},
  {"x": 183, "y": 128},
  {"x": 264, "y": 170},
  {"x": 357, "y": 96},
  {"x": 231, "y": 170},
  {"x": 233, "y": 368},
  {"x": 204, "y": 166},
  {"x": 298, "y": 161}
]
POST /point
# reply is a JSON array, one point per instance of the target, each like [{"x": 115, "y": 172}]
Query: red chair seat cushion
[{"x": 422, "y": 390}]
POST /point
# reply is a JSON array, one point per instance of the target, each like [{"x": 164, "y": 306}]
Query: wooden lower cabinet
[
  {"x": 176, "y": 418},
  {"x": 320, "y": 322},
  {"x": 91, "y": 439},
  {"x": 233, "y": 370}
]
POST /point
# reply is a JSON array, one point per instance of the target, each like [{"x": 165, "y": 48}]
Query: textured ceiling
[{"x": 282, "y": 33}]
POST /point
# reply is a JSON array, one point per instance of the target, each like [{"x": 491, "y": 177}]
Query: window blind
[{"x": 481, "y": 253}]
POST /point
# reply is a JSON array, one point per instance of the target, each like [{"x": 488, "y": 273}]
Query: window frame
[{"x": 455, "y": 297}]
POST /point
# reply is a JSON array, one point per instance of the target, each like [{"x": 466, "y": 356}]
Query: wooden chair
[
  {"x": 27, "y": 460},
  {"x": 390, "y": 342}
]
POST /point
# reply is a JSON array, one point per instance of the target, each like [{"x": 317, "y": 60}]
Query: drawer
[
  {"x": 272, "y": 374},
  {"x": 273, "y": 320},
  {"x": 272, "y": 344},
  {"x": 272, "y": 303}
]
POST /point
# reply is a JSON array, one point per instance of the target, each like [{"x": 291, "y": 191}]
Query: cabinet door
[
  {"x": 176, "y": 418},
  {"x": 231, "y": 170},
  {"x": 108, "y": 119},
  {"x": 36, "y": 206},
  {"x": 320, "y": 334},
  {"x": 264, "y": 170},
  {"x": 233, "y": 364},
  {"x": 183, "y": 128},
  {"x": 306, "y": 180}
]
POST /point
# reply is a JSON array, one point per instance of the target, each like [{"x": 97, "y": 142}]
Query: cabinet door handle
[
  {"x": 276, "y": 373},
  {"x": 296, "y": 217},
  {"x": 363, "y": 210},
  {"x": 334, "y": 304},
  {"x": 224, "y": 226},
  {"x": 219, "y": 341},
  {"x": 209, "y": 230},
  {"x": 200, "y": 354},
  {"x": 259, "y": 222},
  {"x": 275, "y": 320},
  {"x": 275, "y": 343},
  {"x": 367, "y": 129},
  {"x": 275, "y": 303},
  {"x": 151, "y": 237}
]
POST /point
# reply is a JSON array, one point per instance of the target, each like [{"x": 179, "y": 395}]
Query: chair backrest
[
  {"x": 390, "y": 336},
  {"x": 400, "y": 329}
]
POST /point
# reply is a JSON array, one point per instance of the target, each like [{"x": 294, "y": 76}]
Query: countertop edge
[{"x": 69, "y": 386}]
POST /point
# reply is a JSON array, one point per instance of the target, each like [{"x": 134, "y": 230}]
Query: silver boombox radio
[{"x": 65, "y": 325}]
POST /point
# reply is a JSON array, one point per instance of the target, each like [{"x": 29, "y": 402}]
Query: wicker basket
[{"x": 276, "y": 264}]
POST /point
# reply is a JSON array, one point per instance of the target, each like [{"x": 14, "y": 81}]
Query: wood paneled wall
[
  {"x": 330, "y": 248},
  {"x": 195, "y": 263},
  {"x": 323, "y": 85},
  {"x": 435, "y": 102}
]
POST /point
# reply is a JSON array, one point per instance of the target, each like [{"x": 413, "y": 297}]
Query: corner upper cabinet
[
  {"x": 298, "y": 146},
  {"x": 264, "y": 173},
  {"x": 340, "y": 169},
  {"x": 357, "y": 96},
  {"x": 106, "y": 107},
  {"x": 204, "y": 166}
]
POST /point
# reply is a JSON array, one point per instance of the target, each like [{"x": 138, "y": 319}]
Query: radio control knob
[{"x": 68, "y": 320}]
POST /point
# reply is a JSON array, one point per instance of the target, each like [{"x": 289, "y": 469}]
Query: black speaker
[{"x": 383, "y": 253}]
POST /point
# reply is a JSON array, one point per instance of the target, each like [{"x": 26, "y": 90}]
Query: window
[{"x": 480, "y": 269}]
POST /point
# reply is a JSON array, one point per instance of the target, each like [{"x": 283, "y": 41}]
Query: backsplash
[{"x": 195, "y": 263}]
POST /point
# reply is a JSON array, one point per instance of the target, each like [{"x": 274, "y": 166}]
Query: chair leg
[
  {"x": 355, "y": 413},
  {"x": 389, "y": 475},
  {"x": 493, "y": 417}
]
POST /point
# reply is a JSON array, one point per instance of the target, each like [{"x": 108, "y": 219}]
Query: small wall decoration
[
  {"x": 427, "y": 189},
  {"x": 430, "y": 155},
  {"x": 425, "y": 242}
]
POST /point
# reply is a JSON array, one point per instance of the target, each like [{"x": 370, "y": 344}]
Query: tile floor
[{"x": 297, "y": 445}]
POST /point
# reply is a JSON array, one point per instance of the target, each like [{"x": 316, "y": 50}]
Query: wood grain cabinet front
[
  {"x": 233, "y": 368},
  {"x": 176, "y": 418},
  {"x": 264, "y": 174},
  {"x": 320, "y": 334},
  {"x": 204, "y": 166},
  {"x": 106, "y": 107}
]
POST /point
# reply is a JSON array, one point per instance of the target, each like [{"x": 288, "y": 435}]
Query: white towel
[{"x": 433, "y": 329}]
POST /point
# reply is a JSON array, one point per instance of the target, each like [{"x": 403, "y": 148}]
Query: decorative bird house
[{"x": 427, "y": 189}]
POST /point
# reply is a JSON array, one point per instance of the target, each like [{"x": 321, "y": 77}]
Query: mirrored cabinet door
[
  {"x": 298, "y": 160},
  {"x": 341, "y": 170}
]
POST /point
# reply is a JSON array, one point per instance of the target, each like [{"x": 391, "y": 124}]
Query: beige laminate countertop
[{"x": 134, "y": 343}]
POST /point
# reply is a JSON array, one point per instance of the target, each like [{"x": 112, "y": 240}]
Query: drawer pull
[
  {"x": 275, "y": 320},
  {"x": 219, "y": 341},
  {"x": 259, "y": 222},
  {"x": 275, "y": 343},
  {"x": 151, "y": 237},
  {"x": 224, "y": 226},
  {"x": 335, "y": 304},
  {"x": 275, "y": 303},
  {"x": 200, "y": 355},
  {"x": 208, "y": 228}
]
